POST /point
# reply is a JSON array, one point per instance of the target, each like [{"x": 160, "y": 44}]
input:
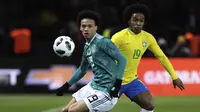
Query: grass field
[{"x": 51, "y": 103}]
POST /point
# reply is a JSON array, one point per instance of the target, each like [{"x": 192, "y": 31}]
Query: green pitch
[{"x": 51, "y": 103}]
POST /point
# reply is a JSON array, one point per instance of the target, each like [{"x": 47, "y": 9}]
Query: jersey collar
[
  {"x": 88, "y": 43},
  {"x": 132, "y": 33}
]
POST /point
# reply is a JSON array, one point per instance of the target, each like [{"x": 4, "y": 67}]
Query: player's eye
[
  {"x": 83, "y": 26},
  {"x": 90, "y": 26},
  {"x": 134, "y": 20},
  {"x": 141, "y": 20}
]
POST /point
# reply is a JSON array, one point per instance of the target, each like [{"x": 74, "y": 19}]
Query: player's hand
[
  {"x": 116, "y": 88},
  {"x": 179, "y": 83},
  {"x": 114, "y": 92},
  {"x": 59, "y": 91}
]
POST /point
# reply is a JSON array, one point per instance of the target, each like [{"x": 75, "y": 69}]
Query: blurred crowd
[{"x": 28, "y": 27}]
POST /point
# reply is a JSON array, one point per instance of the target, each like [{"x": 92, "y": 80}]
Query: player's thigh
[
  {"x": 79, "y": 106},
  {"x": 83, "y": 92},
  {"x": 137, "y": 91},
  {"x": 134, "y": 88},
  {"x": 78, "y": 96},
  {"x": 72, "y": 101},
  {"x": 144, "y": 100},
  {"x": 100, "y": 102},
  {"x": 94, "y": 99}
]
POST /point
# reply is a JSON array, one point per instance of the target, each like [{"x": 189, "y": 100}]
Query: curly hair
[
  {"x": 135, "y": 8},
  {"x": 89, "y": 14}
]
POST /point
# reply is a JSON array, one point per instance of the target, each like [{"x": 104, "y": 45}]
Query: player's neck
[
  {"x": 136, "y": 32},
  {"x": 88, "y": 40}
]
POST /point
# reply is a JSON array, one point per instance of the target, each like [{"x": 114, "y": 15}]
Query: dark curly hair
[
  {"x": 89, "y": 14},
  {"x": 135, "y": 8}
]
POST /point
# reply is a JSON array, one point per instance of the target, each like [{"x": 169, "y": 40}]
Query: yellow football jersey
[{"x": 133, "y": 46}]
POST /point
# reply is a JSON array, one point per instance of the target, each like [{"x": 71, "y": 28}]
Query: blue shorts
[{"x": 133, "y": 88}]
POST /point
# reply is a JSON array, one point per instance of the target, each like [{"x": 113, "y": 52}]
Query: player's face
[
  {"x": 136, "y": 22},
  {"x": 88, "y": 28}
]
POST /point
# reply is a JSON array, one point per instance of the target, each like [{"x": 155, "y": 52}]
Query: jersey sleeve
[
  {"x": 158, "y": 53},
  {"x": 80, "y": 72},
  {"x": 110, "y": 49}
]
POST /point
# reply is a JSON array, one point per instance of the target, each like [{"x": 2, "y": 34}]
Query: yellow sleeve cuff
[{"x": 174, "y": 77}]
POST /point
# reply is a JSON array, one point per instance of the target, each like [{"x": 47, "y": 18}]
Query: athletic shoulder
[
  {"x": 119, "y": 37},
  {"x": 102, "y": 40},
  {"x": 120, "y": 34},
  {"x": 149, "y": 37},
  {"x": 147, "y": 34}
]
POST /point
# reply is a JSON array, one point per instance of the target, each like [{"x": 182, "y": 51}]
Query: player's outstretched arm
[
  {"x": 78, "y": 74},
  {"x": 158, "y": 53}
]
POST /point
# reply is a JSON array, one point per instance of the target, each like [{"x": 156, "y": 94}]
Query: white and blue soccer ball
[{"x": 63, "y": 46}]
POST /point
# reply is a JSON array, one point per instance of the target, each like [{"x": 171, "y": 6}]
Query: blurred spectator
[
  {"x": 22, "y": 40},
  {"x": 180, "y": 49},
  {"x": 48, "y": 20},
  {"x": 194, "y": 43}
]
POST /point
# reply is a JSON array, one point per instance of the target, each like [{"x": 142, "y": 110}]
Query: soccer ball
[{"x": 63, "y": 46}]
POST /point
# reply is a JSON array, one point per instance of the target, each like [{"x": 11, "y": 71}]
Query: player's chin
[
  {"x": 137, "y": 30},
  {"x": 87, "y": 37}
]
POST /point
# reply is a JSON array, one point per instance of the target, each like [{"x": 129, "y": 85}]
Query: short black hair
[
  {"x": 135, "y": 8},
  {"x": 89, "y": 14}
]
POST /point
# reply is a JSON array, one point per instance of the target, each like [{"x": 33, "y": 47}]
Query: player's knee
[
  {"x": 73, "y": 108},
  {"x": 64, "y": 110},
  {"x": 149, "y": 106}
]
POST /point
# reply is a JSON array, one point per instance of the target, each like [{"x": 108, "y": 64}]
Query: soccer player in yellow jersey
[{"x": 133, "y": 42}]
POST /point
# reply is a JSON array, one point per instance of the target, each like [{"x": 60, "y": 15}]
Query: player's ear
[
  {"x": 129, "y": 22},
  {"x": 80, "y": 28},
  {"x": 96, "y": 27}
]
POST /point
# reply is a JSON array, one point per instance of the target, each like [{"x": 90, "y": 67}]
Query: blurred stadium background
[{"x": 30, "y": 71}]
